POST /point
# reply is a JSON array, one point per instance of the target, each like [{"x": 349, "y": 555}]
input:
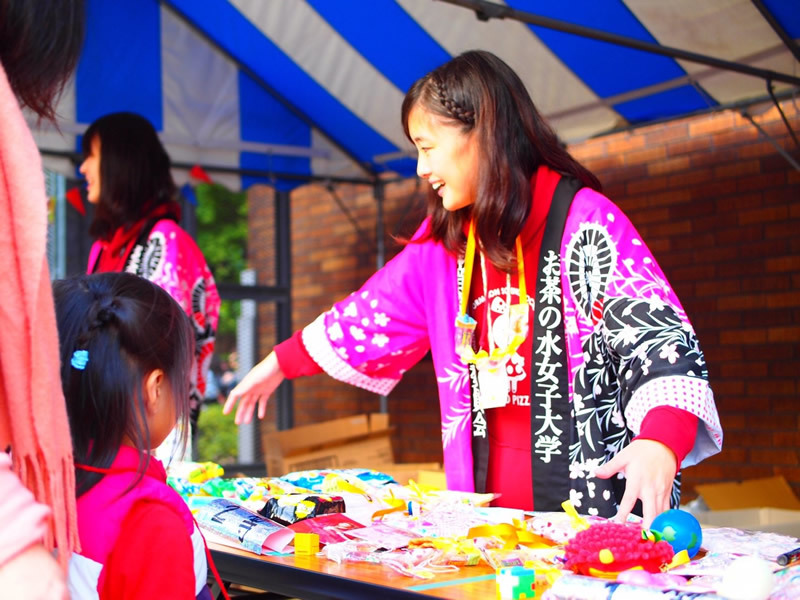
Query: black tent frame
[{"x": 484, "y": 10}]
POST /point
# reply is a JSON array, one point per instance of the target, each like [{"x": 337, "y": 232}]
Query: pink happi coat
[
  {"x": 171, "y": 259},
  {"x": 629, "y": 346}
]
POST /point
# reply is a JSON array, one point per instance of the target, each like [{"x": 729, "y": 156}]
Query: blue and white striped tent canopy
[{"x": 314, "y": 87}]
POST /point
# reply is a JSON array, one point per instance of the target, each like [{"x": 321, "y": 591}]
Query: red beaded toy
[{"x": 605, "y": 549}]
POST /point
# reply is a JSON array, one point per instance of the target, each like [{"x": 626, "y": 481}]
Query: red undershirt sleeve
[
  {"x": 152, "y": 558},
  {"x": 673, "y": 427},
  {"x": 294, "y": 359}
]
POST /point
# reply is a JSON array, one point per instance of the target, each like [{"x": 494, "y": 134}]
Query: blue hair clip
[{"x": 79, "y": 359}]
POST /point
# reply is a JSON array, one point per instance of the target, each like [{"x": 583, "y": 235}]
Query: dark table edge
[{"x": 301, "y": 583}]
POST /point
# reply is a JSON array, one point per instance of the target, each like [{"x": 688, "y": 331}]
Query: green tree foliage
[
  {"x": 222, "y": 236},
  {"x": 222, "y": 230},
  {"x": 216, "y": 436}
]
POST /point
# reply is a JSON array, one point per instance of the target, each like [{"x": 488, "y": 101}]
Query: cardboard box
[
  {"x": 772, "y": 492},
  {"x": 361, "y": 441},
  {"x": 403, "y": 472},
  {"x": 776, "y": 520},
  {"x": 767, "y": 504}
]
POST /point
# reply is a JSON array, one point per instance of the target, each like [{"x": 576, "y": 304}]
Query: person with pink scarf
[
  {"x": 566, "y": 367},
  {"x": 39, "y": 47}
]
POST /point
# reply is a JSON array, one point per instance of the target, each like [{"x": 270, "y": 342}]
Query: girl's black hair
[
  {"x": 40, "y": 43},
  {"x": 135, "y": 172},
  {"x": 479, "y": 93},
  {"x": 128, "y": 327}
]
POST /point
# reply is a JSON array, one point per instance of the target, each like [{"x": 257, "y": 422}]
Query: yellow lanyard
[
  {"x": 465, "y": 325},
  {"x": 469, "y": 263}
]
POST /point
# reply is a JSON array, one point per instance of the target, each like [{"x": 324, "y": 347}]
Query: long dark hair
[
  {"x": 128, "y": 327},
  {"x": 40, "y": 43},
  {"x": 478, "y": 92},
  {"x": 135, "y": 172}
]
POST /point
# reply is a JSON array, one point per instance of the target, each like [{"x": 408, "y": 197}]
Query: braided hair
[
  {"x": 481, "y": 95},
  {"x": 114, "y": 329},
  {"x": 454, "y": 110}
]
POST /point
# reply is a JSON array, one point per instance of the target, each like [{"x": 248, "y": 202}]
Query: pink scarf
[{"x": 33, "y": 417}]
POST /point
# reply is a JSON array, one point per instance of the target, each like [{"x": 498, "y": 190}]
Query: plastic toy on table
[
  {"x": 605, "y": 549},
  {"x": 516, "y": 583},
  {"x": 680, "y": 529},
  {"x": 306, "y": 543}
]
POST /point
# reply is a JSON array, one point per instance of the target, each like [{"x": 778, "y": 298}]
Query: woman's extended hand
[
  {"x": 649, "y": 469},
  {"x": 256, "y": 387}
]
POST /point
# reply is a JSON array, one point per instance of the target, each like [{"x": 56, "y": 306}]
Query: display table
[{"x": 313, "y": 578}]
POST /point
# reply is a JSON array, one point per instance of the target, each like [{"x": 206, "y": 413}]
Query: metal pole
[
  {"x": 246, "y": 335},
  {"x": 777, "y": 28},
  {"x": 489, "y": 10},
  {"x": 379, "y": 192},
  {"x": 283, "y": 274},
  {"x": 772, "y": 141}
]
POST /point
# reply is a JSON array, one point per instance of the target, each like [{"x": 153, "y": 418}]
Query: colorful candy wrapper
[
  {"x": 196, "y": 472},
  {"x": 184, "y": 487},
  {"x": 422, "y": 563},
  {"x": 558, "y": 526},
  {"x": 787, "y": 583},
  {"x": 385, "y": 536},
  {"x": 220, "y": 488},
  {"x": 764, "y": 544},
  {"x": 315, "y": 479},
  {"x": 331, "y": 529},
  {"x": 233, "y": 522},
  {"x": 351, "y": 551},
  {"x": 581, "y": 587}
]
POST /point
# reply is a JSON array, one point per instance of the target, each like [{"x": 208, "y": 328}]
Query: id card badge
[{"x": 493, "y": 388}]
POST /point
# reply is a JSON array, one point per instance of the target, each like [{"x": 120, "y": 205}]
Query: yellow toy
[{"x": 306, "y": 543}]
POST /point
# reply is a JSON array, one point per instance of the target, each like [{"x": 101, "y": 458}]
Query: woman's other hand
[
  {"x": 256, "y": 387},
  {"x": 33, "y": 574},
  {"x": 649, "y": 469}
]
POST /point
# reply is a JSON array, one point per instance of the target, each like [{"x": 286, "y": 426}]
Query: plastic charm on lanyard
[{"x": 492, "y": 377}]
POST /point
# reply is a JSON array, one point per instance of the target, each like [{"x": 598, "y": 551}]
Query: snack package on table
[
  {"x": 787, "y": 583},
  {"x": 195, "y": 472},
  {"x": 290, "y": 508},
  {"x": 764, "y": 544},
  {"x": 184, "y": 487},
  {"x": 581, "y": 587},
  {"x": 234, "y": 522},
  {"x": 429, "y": 498},
  {"x": 220, "y": 488},
  {"x": 360, "y": 479}
]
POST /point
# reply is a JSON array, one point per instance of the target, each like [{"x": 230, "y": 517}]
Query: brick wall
[
  {"x": 331, "y": 258},
  {"x": 719, "y": 208}
]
